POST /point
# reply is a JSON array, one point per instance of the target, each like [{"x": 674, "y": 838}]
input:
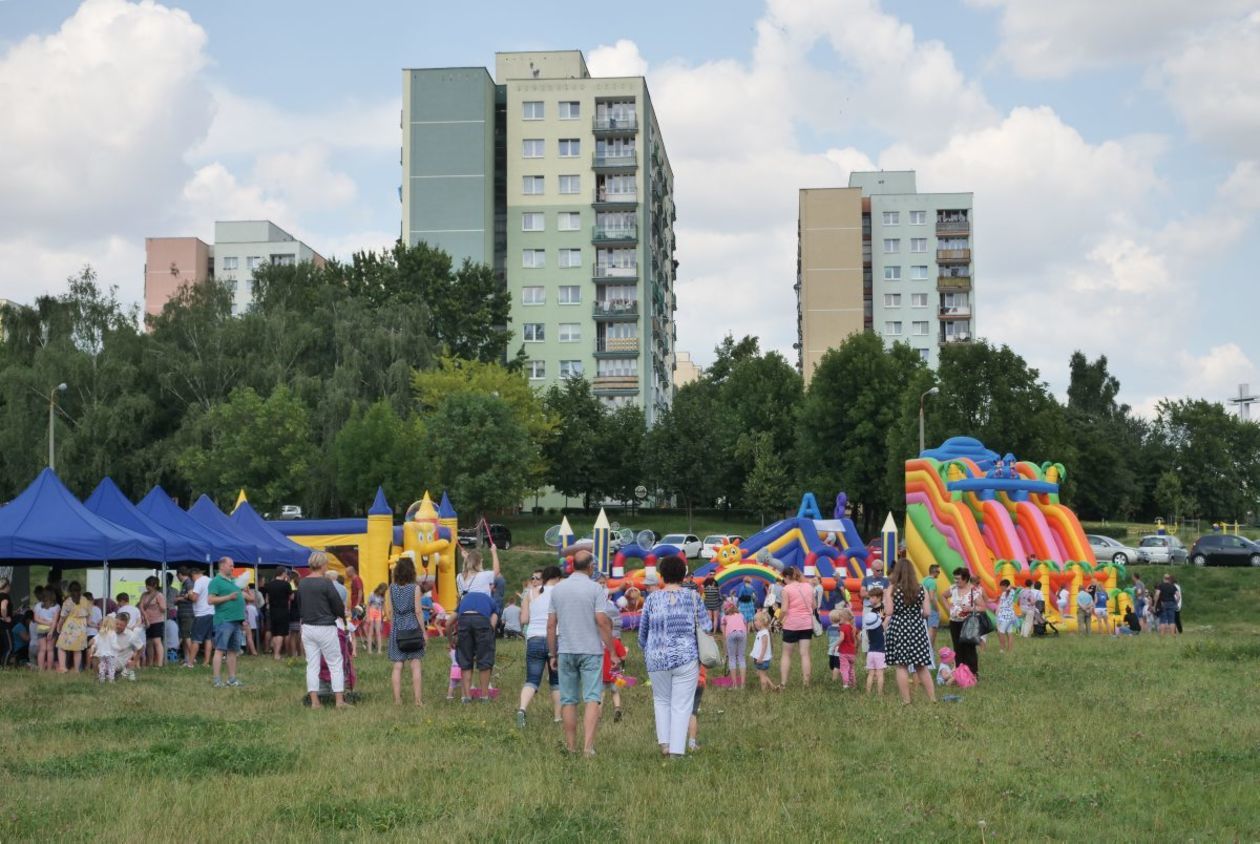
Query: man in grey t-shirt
[{"x": 578, "y": 631}]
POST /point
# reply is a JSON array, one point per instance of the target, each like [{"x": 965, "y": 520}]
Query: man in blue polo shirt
[
  {"x": 229, "y": 615},
  {"x": 476, "y": 618}
]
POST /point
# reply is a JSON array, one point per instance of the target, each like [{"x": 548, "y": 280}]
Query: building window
[
  {"x": 618, "y": 366},
  {"x": 570, "y": 184},
  {"x": 537, "y": 370},
  {"x": 532, "y": 110},
  {"x": 892, "y": 300},
  {"x": 570, "y": 147},
  {"x": 570, "y": 294},
  {"x": 918, "y": 218},
  {"x": 570, "y": 110},
  {"x": 923, "y": 354},
  {"x": 919, "y": 273},
  {"x": 570, "y": 258},
  {"x": 892, "y": 329},
  {"x": 569, "y": 221},
  {"x": 570, "y": 369},
  {"x": 533, "y": 295},
  {"x": 533, "y": 148},
  {"x": 231, "y": 286},
  {"x": 253, "y": 262},
  {"x": 534, "y": 332},
  {"x": 918, "y": 244},
  {"x": 283, "y": 260},
  {"x": 920, "y": 329},
  {"x": 230, "y": 263},
  {"x": 918, "y": 300},
  {"x": 532, "y": 185},
  {"x": 532, "y": 221},
  {"x": 533, "y": 259},
  {"x": 892, "y": 218},
  {"x": 570, "y": 332},
  {"x": 892, "y": 245},
  {"x": 892, "y": 273}
]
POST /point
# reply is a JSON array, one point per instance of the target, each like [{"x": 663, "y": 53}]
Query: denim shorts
[
  {"x": 228, "y": 637},
  {"x": 536, "y": 662},
  {"x": 203, "y": 628},
  {"x": 934, "y": 620},
  {"x": 581, "y": 678},
  {"x": 764, "y": 665},
  {"x": 1168, "y": 614}
]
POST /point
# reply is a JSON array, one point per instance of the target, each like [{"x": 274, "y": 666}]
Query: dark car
[
  {"x": 499, "y": 533},
  {"x": 1221, "y": 549}
]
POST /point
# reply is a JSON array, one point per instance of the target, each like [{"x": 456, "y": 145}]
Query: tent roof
[
  {"x": 284, "y": 550},
  {"x": 46, "y": 522},
  {"x": 108, "y": 502},
  {"x": 244, "y": 550},
  {"x": 159, "y": 506}
]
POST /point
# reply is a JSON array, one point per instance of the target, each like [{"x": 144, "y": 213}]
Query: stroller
[
  {"x": 325, "y": 677},
  {"x": 1040, "y": 623}
]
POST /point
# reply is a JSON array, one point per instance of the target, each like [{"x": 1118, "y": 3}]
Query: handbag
[
  {"x": 818, "y": 631},
  {"x": 410, "y": 641},
  {"x": 707, "y": 648},
  {"x": 970, "y": 632},
  {"x": 986, "y": 623}
]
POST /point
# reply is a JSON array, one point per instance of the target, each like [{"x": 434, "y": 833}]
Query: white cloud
[
  {"x": 1041, "y": 39},
  {"x": 1218, "y": 373},
  {"x": 1242, "y": 188},
  {"x": 33, "y": 266},
  {"x": 620, "y": 59},
  {"x": 304, "y": 177}
]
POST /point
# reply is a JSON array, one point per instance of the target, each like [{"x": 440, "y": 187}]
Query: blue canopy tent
[
  {"x": 108, "y": 502},
  {"x": 282, "y": 550},
  {"x": 161, "y": 508},
  {"x": 46, "y": 523},
  {"x": 204, "y": 511}
]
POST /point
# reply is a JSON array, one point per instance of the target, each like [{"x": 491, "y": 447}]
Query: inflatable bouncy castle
[{"x": 1001, "y": 518}]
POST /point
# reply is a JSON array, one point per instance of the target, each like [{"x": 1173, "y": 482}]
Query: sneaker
[
  {"x": 465, "y": 700},
  {"x": 590, "y": 753},
  {"x": 235, "y": 683},
  {"x": 218, "y": 684},
  {"x": 520, "y": 719},
  {"x": 130, "y": 675},
  {"x": 616, "y": 716},
  {"x": 691, "y": 744}
]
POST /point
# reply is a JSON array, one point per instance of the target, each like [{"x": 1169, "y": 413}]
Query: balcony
[
  {"x": 952, "y": 283},
  {"x": 601, "y": 198},
  {"x": 953, "y": 256},
  {"x": 953, "y": 227},
  {"x": 957, "y": 337},
  {"x": 955, "y": 312},
  {"x": 615, "y": 125},
  {"x": 616, "y": 385},
  {"x": 617, "y": 347},
  {"x": 615, "y": 234},
  {"x": 605, "y": 274},
  {"x": 617, "y": 310},
  {"x": 615, "y": 160}
]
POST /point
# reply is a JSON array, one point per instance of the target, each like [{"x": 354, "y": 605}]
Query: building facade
[
  {"x": 880, "y": 256},
  {"x": 561, "y": 181},
  {"x": 239, "y": 247}
]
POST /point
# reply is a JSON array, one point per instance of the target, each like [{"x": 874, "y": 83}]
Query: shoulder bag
[
  {"x": 982, "y": 616},
  {"x": 707, "y": 647}
]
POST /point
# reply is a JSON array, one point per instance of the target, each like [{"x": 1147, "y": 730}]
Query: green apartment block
[{"x": 560, "y": 181}]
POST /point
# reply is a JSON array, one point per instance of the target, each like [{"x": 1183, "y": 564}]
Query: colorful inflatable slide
[{"x": 1001, "y": 518}]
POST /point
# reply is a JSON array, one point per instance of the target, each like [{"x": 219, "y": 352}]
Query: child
[
  {"x": 873, "y": 624},
  {"x": 842, "y": 619},
  {"x": 1006, "y": 617},
  {"x": 376, "y": 617},
  {"x": 945, "y": 673},
  {"x": 693, "y": 726},
  {"x": 611, "y": 678},
  {"x": 761, "y": 652},
  {"x": 115, "y": 646},
  {"x": 833, "y": 645},
  {"x": 22, "y": 638},
  {"x": 736, "y": 631},
  {"x": 457, "y": 676}
]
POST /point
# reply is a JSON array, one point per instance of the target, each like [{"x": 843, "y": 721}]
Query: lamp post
[
  {"x": 933, "y": 391},
  {"x": 52, "y": 407}
]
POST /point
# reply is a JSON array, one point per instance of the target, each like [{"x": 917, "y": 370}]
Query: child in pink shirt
[{"x": 736, "y": 630}]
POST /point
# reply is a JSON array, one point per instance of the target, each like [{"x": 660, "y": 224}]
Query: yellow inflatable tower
[
  {"x": 374, "y": 551},
  {"x": 434, "y": 547}
]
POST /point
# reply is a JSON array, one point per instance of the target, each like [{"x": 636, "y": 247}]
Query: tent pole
[
  {"x": 162, "y": 592},
  {"x": 257, "y": 633},
  {"x": 105, "y": 597}
]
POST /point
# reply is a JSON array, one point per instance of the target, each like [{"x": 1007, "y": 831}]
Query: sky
[{"x": 1113, "y": 148}]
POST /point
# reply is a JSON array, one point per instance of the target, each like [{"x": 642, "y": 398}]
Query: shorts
[
  {"x": 933, "y": 620},
  {"x": 581, "y": 678},
  {"x": 476, "y": 643},
  {"x": 875, "y": 661},
  {"x": 295, "y": 625},
  {"x": 764, "y": 665},
  {"x": 833, "y": 662},
  {"x": 1007, "y": 625},
  {"x": 374, "y": 614},
  {"x": 156, "y": 630},
  {"x": 695, "y": 704},
  {"x": 185, "y": 623},
  {"x": 228, "y": 637},
  {"x": 1167, "y": 614},
  {"x": 791, "y": 637},
  {"x": 1101, "y": 612},
  {"x": 279, "y": 623},
  {"x": 202, "y": 628},
  {"x": 536, "y": 661}
]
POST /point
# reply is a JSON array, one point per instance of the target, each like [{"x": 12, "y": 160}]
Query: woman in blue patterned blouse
[{"x": 667, "y": 635}]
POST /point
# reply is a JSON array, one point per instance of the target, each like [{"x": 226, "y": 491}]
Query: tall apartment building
[
  {"x": 240, "y": 247},
  {"x": 561, "y": 181},
  {"x": 879, "y": 256}
]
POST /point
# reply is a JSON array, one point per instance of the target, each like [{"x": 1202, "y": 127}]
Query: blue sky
[{"x": 1112, "y": 148}]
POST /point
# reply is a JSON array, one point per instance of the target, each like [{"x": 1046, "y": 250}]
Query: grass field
[{"x": 1068, "y": 738}]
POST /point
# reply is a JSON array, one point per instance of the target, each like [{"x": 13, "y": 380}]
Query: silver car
[
  {"x": 1108, "y": 550},
  {"x": 1161, "y": 550}
]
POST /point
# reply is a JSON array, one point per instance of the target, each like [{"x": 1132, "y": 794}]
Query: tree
[
  {"x": 1171, "y": 498},
  {"x": 679, "y": 446},
  {"x": 768, "y": 486},
  {"x": 1102, "y": 483},
  {"x": 1215, "y": 455},
  {"x": 479, "y": 452},
  {"x": 377, "y": 447},
  {"x": 572, "y": 452},
  {"x": 620, "y": 451}
]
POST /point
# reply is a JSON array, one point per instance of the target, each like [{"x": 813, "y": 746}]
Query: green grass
[{"x": 1067, "y": 738}]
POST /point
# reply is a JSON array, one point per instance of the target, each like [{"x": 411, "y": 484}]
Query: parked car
[
  {"x": 1161, "y": 550},
  {"x": 290, "y": 511},
  {"x": 1108, "y": 550},
  {"x": 499, "y": 533},
  {"x": 714, "y": 541},
  {"x": 1221, "y": 549},
  {"x": 688, "y": 543}
]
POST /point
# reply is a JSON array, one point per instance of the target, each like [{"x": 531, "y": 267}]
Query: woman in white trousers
[{"x": 322, "y": 608}]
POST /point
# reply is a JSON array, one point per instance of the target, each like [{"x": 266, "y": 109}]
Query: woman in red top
[{"x": 798, "y": 623}]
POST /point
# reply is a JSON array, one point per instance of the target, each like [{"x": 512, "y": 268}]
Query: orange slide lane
[{"x": 923, "y": 481}]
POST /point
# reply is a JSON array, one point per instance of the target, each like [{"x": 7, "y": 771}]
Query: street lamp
[
  {"x": 52, "y": 406},
  {"x": 926, "y": 393}
]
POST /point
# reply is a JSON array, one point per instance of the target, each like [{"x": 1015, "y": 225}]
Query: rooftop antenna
[{"x": 1245, "y": 400}]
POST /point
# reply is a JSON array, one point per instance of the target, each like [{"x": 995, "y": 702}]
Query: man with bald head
[{"x": 578, "y": 631}]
